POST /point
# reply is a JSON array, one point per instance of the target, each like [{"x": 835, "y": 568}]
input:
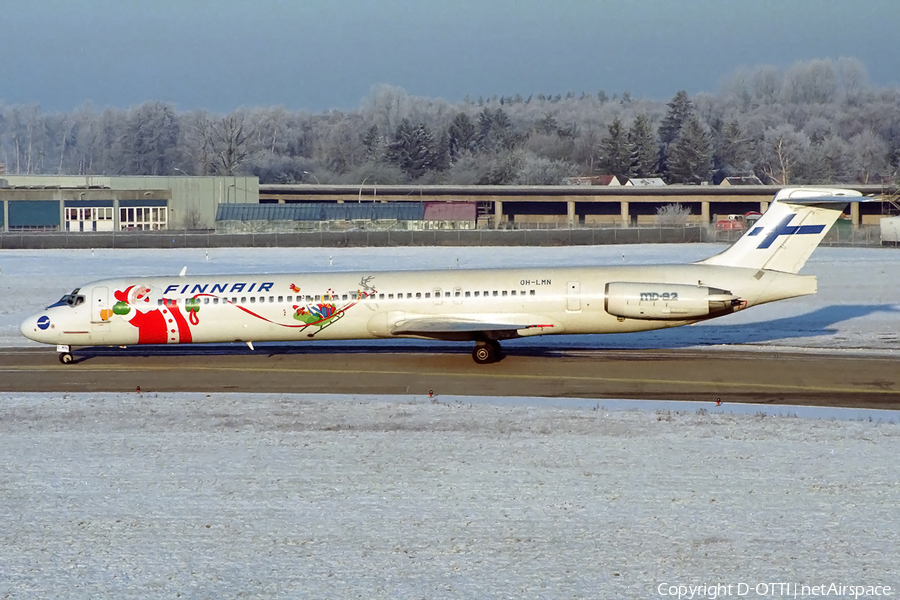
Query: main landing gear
[
  {"x": 487, "y": 352},
  {"x": 65, "y": 357}
]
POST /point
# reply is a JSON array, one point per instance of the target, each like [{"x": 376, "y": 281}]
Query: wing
[
  {"x": 464, "y": 328},
  {"x": 430, "y": 326}
]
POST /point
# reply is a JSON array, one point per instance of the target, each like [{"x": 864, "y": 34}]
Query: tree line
[{"x": 817, "y": 121}]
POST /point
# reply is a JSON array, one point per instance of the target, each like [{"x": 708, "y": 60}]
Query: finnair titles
[{"x": 480, "y": 306}]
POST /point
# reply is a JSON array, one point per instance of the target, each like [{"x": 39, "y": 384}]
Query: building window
[
  {"x": 89, "y": 218},
  {"x": 143, "y": 218}
]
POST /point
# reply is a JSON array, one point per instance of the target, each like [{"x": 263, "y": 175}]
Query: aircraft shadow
[{"x": 818, "y": 323}]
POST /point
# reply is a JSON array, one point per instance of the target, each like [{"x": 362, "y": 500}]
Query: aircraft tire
[
  {"x": 66, "y": 358},
  {"x": 485, "y": 354}
]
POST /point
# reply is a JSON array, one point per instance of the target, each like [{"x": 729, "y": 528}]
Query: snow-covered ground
[
  {"x": 290, "y": 496},
  {"x": 303, "y": 496},
  {"x": 857, "y": 306}
]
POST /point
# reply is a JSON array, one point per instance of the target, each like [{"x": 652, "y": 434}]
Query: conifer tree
[
  {"x": 372, "y": 143},
  {"x": 615, "y": 153},
  {"x": 690, "y": 154},
  {"x": 731, "y": 150},
  {"x": 461, "y": 134},
  {"x": 679, "y": 109},
  {"x": 644, "y": 152},
  {"x": 412, "y": 149}
]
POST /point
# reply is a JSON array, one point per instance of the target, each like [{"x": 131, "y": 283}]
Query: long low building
[
  {"x": 565, "y": 206},
  {"x": 93, "y": 203},
  {"x": 324, "y": 216}
]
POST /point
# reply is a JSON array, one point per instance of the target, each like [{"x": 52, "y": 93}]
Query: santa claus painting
[{"x": 156, "y": 324}]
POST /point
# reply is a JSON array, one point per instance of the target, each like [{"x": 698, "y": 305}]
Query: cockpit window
[{"x": 73, "y": 299}]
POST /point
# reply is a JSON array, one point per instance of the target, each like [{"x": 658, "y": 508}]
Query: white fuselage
[{"x": 284, "y": 307}]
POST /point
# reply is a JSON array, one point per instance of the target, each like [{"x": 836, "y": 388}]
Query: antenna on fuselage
[{"x": 183, "y": 271}]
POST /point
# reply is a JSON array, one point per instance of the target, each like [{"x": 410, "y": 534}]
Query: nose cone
[{"x": 36, "y": 327}]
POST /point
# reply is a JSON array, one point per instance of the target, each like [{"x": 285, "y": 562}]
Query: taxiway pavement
[{"x": 829, "y": 379}]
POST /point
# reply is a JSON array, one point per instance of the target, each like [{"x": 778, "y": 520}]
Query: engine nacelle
[{"x": 664, "y": 301}]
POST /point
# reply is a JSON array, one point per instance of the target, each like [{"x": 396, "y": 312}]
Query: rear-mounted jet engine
[{"x": 675, "y": 302}]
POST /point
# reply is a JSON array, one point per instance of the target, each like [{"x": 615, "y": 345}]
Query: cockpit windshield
[{"x": 73, "y": 299}]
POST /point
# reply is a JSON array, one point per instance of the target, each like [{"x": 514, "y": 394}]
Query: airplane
[{"x": 484, "y": 306}]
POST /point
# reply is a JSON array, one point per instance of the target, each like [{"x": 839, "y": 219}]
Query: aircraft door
[
  {"x": 573, "y": 296},
  {"x": 100, "y": 311},
  {"x": 438, "y": 295}
]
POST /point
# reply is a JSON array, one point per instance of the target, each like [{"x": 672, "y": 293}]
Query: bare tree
[
  {"x": 230, "y": 143},
  {"x": 869, "y": 155},
  {"x": 782, "y": 150}
]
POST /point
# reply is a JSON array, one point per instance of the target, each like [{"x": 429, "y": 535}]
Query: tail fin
[{"x": 789, "y": 231}]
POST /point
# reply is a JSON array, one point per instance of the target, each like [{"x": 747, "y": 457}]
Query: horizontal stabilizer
[{"x": 833, "y": 200}]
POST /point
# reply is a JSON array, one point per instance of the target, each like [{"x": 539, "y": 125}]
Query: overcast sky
[{"x": 324, "y": 54}]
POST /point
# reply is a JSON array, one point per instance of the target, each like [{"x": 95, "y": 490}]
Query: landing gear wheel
[
  {"x": 66, "y": 358},
  {"x": 487, "y": 353}
]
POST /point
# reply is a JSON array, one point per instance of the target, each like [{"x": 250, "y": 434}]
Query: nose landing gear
[{"x": 65, "y": 357}]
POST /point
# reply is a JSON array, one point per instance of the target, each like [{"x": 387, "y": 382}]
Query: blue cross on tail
[{"x": 784, "y": 229}]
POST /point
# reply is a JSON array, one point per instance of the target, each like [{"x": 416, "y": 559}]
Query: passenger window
[
  {"x": 477, "y": 294},
  {"x": 271, "y": 298},
  {"x": 216, "y": 300},
  {"x": 318, "y": 297},
  {"x": 504, "y": 293},
  {"x": 513, "y": 292},
  {"x": 252, "y": 299},
  {"x": 243, "y": 299},
  {"x": 381, "y": 296},
  {"x": 428, "y": 294},
  {"x": 281, "y": 298},
  {"x": 531, "y": 293},
  {"x": 446, "y": 294},
  {"x": 344, "y": 297},
  {"x": 159, "y": 302},
  {"x": 468, "y": 293},
  {"x": 390, "y": 296},
  {"x": 418, "y": 294},
  {"x": 495, "y": 292}
]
